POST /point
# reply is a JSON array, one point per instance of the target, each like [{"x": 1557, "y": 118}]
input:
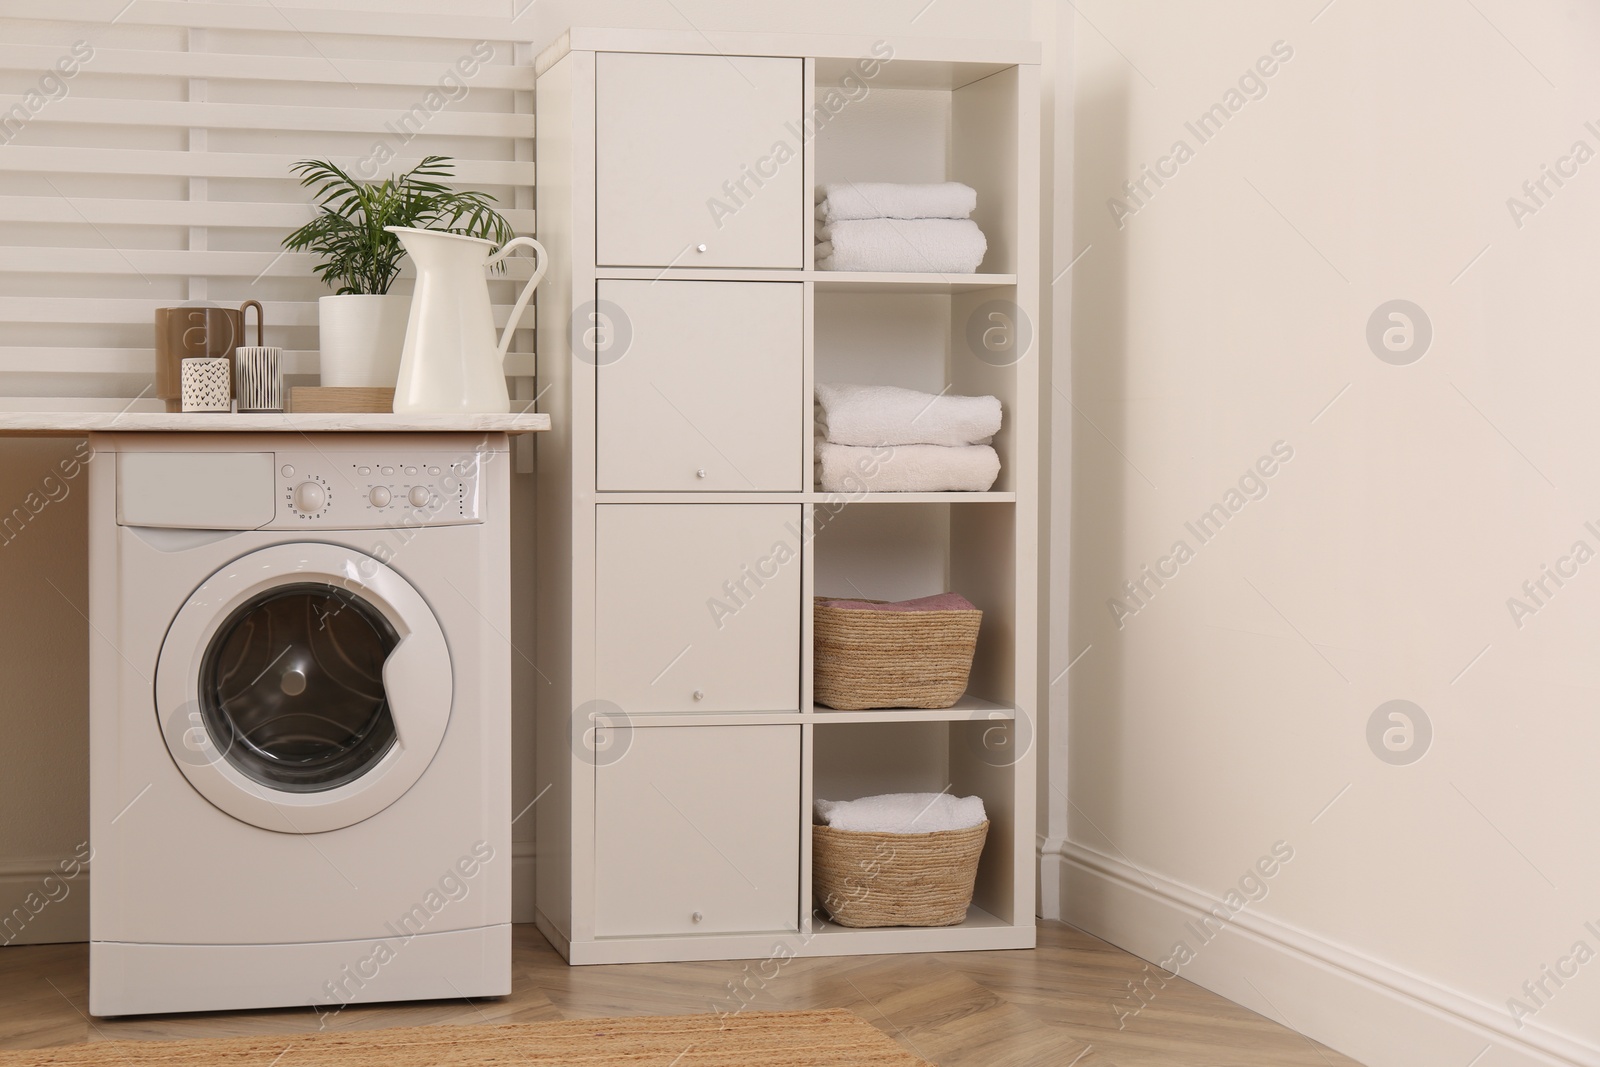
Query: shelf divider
[
  {"x": 817, "y": 496},
  {"x": 968, "y": 709},
  {"x": 848, "y": 281}
]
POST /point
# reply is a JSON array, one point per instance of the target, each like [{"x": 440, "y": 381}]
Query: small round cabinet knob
[
  {"x": 701, "y": 473},
  {"x": 699, "y": 694},
  {"x": 698, "y": 917},
  {"x": 699, "y": 248}
]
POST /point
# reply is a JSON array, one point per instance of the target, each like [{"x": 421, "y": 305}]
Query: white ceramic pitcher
[{"x": 452, "y": 362}]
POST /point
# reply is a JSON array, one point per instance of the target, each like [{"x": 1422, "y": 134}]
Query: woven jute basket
[
  {"x": 892, "y": 659},
  {"x": 869, "y": 879}
]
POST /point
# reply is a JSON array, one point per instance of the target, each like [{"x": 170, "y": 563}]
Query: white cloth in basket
[{"x": 902, "y": 813}]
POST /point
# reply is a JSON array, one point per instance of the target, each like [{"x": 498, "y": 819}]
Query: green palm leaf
[{"x": 356, "y": 254}]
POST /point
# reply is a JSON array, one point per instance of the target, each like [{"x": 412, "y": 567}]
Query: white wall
[
  {"x": 1230, "y": 711},
  {"x": 44, "y": 716}
]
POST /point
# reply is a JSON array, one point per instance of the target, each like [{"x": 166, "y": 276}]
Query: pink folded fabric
[{"x": 937, "y": 602}]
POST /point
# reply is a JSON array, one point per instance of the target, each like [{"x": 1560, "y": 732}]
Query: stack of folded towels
[
  {"x": 885, "y": 439},
  {"x": 902, "y": 813},
  {"x": 887, "y": 226}
]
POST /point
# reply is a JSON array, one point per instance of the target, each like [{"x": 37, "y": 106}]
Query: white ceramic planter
[{"x": 362, "y": 337}]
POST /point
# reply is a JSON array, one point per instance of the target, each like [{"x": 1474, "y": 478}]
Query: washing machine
[{"x": 300, "y": 720}]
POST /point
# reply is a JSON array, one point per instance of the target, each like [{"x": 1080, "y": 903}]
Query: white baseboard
[
  {"x": 1365, "y": 1008},
  {"x": 1048, "y": 900},
  {"x": 522, "y": 909},
  {"x": 41, "y": 906}
]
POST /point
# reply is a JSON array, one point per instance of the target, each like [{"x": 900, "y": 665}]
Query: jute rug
[{"x": 835, "y": 1038}]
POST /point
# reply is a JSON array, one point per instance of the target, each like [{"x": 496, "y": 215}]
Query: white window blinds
[{"x": 145, "y": 152}]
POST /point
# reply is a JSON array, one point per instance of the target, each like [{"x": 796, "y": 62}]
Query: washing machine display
[{"x": 291, "y": 687}]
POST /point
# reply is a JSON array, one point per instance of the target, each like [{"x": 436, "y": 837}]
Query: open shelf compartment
[
  {"x": 853, "y": 760},
  {"x": 904, "y": 551},
  {"x": 962, "y": 343},
  {"x": 927, "y": 122}
]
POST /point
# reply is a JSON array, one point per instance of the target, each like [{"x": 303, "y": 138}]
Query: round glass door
[
  {"x": 304, "y": 687},
  {"x": 291, "y": 687}
]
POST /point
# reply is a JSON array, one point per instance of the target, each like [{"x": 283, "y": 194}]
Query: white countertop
[{"x": 78, "y": 423}]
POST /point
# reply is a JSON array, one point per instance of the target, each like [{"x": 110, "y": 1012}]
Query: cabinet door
[
  {"x": 698, "y": 161},
  {"x": 709, "y": 393},
  {"x": 697, "y": 606},
  {"x": 697, "y": 830}
]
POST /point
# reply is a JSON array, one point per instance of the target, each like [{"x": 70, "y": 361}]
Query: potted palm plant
[{"x": 362, "y": 327}]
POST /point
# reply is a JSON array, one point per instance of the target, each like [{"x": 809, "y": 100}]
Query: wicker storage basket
[
  {"x": 892, "y": 659},
  {"x": 867, "y": 879}
]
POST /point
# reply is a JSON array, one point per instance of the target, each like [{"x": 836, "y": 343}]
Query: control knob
[
  {"x": 309, "y": 497},
  {"x": 418, "y": 496},
  {"x": 379, "y": 496}
]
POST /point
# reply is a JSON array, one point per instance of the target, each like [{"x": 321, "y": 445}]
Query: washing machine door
[{"x": 304, "y": 688}]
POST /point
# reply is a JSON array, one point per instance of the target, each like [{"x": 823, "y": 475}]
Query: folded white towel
[
  {"x": 906, "y": 468},
  {"x": 903, "y": 813},
  {"x": 890, "y": 415},
  {"x": 930, "y": 246},
  {"x": 894, "y": 200}
]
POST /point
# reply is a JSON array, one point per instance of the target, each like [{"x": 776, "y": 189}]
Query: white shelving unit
[{"x": 681, "y": 539}]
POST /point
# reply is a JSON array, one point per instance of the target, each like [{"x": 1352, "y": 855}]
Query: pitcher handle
[{"x": 541, "y": 265}]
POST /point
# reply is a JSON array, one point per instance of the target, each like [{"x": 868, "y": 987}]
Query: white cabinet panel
[
  {"x": 697, "y": 830},
  {"x": 708, "y": 396},
  {"x": 697, "y": 607},
  {"x": 699, "y": 151}
]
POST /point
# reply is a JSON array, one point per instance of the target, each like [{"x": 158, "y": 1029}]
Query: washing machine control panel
[{"x": 378, "y": 489}]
